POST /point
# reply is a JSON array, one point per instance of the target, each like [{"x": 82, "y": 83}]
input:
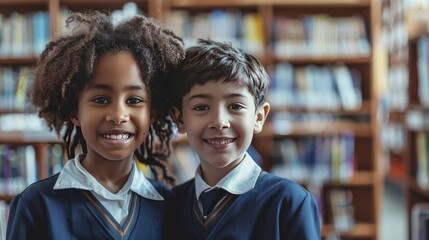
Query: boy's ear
[
  {"x": 261, "y": 116},
  {"x": 178, "y": 119}
]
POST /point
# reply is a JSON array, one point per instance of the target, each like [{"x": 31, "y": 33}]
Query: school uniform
[
  {"x": 73, "y": 205},
  {"x": 257, "y": 205}
]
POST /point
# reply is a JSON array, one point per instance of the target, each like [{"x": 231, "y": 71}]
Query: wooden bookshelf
[
  {"x": 417, "y": 21},
  {"x": 366, "y": 182}
]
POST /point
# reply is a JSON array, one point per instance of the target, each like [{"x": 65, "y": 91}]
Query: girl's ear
[
  {"x": 74, "y": 119},
  {"x": 178, "y": 119},
  {"x": 261, "y": 116}
]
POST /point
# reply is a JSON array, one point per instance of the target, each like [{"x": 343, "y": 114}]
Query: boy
[{"x": 218, "y": 97}]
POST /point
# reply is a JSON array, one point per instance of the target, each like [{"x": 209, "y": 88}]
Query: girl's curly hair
[{"x": 67, "y": 64}]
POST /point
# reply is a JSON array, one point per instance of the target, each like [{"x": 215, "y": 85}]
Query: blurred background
[{"x": 349, "y": 94}]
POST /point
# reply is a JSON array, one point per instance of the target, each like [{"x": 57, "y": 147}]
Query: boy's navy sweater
[{"x": 275, "y": 208}]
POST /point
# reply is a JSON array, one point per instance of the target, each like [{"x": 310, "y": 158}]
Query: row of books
[
  {"x": 26, "y": 34},
  {"x": 23, "y": 34},
  {"x": 320, "y": 35},
  {"x": 19, "y": 169},
  {"x": 397, "y": 87},
  {"x": 19, "y": 166},
  {"x": 129, "y": 9},
  {"x": 4, "y": 214},
  {"x": 423, "y": 71},
  {"x": 28, "y": 124},
  {"x": 242, "y": 29},
  {"x": 422, "y": 150},
  {"x": 331, "y": 87},
  {"x": 314, "y": 159},
  {"x": 14, "y": 88}
]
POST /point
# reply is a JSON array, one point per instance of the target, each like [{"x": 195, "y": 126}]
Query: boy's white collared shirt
[
  {"x": 240, "y": 180},
  {"x": 74, "y": 175}
]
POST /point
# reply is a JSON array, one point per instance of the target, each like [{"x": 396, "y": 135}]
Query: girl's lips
[
  {"x": 120, "y": 136},
  {"x": 116, "y": 137}
]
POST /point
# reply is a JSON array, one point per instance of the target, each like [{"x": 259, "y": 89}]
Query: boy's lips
[{"x": 219, "y": 141}]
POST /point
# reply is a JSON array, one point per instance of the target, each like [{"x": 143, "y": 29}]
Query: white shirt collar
[
  {"x": 74, "y": 175},
  {"x": 240, "y": 180}
]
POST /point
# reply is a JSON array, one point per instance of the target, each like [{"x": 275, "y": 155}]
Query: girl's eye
[
  {"x": 100, "y": 100},
  {"x": 200, "y": 108},
  {"x": 236, "y": 106},
  {"x": 134, "y": 100}
]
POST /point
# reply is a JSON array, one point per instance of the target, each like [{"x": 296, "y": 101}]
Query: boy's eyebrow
[{"x": 209, "y": 96}]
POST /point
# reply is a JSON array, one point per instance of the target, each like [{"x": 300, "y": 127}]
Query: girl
[{"x": 99, "y": 85}]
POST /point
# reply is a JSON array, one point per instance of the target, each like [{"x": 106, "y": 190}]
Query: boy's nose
[
  {"x": 219, "y": 120},
  {"x": 118, "y": 115}
]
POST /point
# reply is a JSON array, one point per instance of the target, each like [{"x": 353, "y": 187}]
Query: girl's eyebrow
[{"x": 108, "y": 87}]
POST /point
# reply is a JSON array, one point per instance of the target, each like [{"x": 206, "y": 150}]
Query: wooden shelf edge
[
  {"x": 22, "y": 2},
  {"x": 324, "y": 59},
  {"x": 277, "y": 3},
  {"x": 6, "y": 198},
  {"x": 359, "y": 178},
  {"x": 417, "y": 20},
  {"x": 414, "y": 186},
  {"x": 364, "y": 109},
  {"x": 317, "y": 128},
  {"x": 24, "y": 138},
  {"x": 27, "y": 60},
  {"x": 362, "y": 230}
]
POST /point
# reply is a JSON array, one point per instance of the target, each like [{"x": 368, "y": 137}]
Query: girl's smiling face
[
  {"x": 220, "y": 120},
  {"x": 114, "y": 109}
]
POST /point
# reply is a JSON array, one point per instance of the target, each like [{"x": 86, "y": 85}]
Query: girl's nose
[{"x": 118, "y": 115}]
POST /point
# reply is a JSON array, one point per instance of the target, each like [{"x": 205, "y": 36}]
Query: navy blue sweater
[
  {"x": 40, "y": 212},
  {"x": 275, "y": 208}
]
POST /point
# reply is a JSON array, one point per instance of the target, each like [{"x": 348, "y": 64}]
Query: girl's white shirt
[{"x": 74, "y": 175}]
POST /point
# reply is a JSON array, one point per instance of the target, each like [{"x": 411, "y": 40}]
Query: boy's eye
[
  {"x": 236, "y": 106},
  {"x": 200, "y": 108},
  {"x": 100, "y": 100},
  {"x": 134, "y": 100}
]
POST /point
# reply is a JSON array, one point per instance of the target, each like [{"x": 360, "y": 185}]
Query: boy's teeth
[
  {"x": 117, "y": 136},
  {"x": 219, "y": 141}
]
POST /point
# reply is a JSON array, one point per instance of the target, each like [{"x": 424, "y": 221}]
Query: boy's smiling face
[{"x": 220, "y": 120}]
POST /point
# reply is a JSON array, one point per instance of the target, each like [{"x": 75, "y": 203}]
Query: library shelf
[
  {"x": 360, "y": 122},
  {"x": 417, "y": 125}
]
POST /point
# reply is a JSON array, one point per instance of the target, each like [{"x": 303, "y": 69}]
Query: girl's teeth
[{"x": 117, "y": 136}]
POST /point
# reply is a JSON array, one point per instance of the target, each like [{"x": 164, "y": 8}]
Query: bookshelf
[
  {"x": 417, "y": 125},
  {"x": 305, "y": 123},
  {"x": 25, "y": 29},
  {"x": 396, "y": 92}
]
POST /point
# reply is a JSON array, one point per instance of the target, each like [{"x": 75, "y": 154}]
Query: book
[
  {"x": 350, "y": 99},
  {"x": 420, "y": 221},
  {"x": 341, "y": 201}
]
